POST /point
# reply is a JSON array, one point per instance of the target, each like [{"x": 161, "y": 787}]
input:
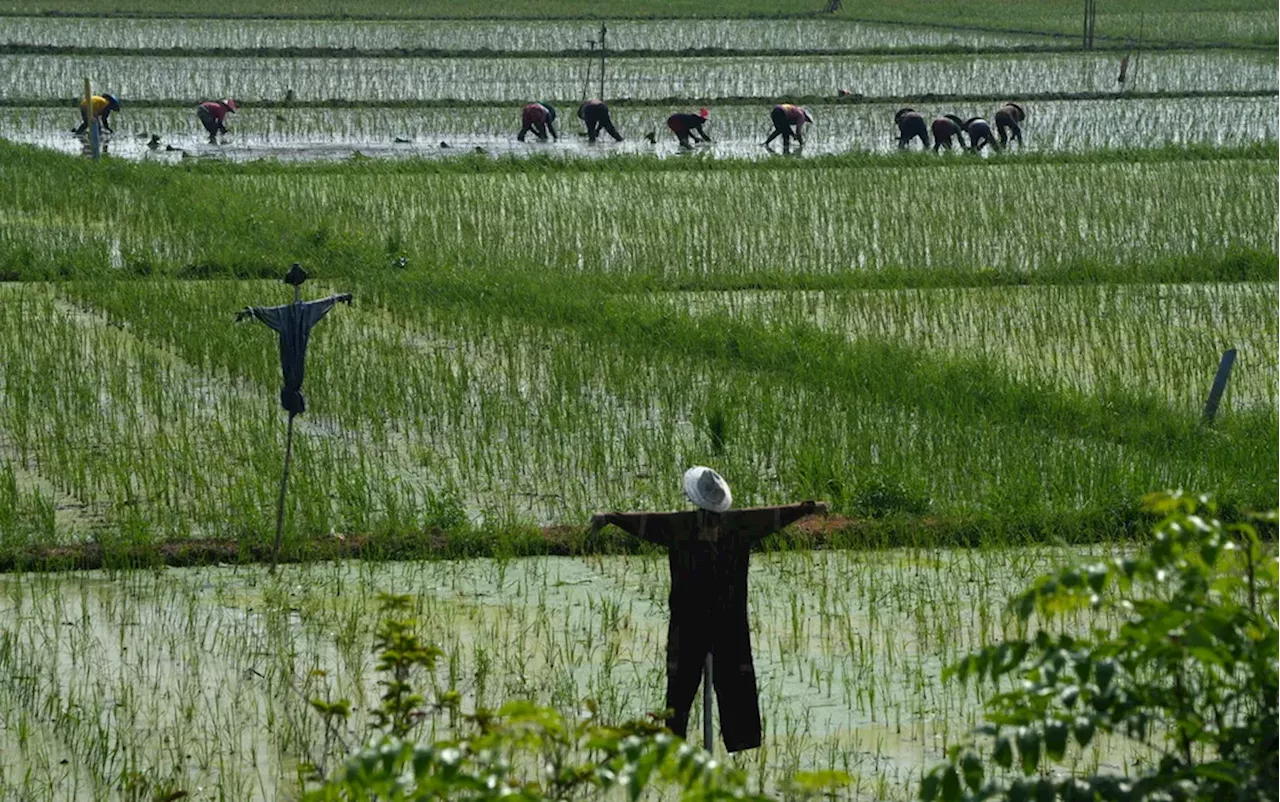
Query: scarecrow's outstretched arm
[
  {"x": 320, "y": 308},
  {"x": 273, "y": 316},
  {"x": 638, "y": 524},
  {"x": 765, "y": 521}
]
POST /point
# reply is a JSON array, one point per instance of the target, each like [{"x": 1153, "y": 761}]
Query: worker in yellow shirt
[{"x": 98, "y": 108}]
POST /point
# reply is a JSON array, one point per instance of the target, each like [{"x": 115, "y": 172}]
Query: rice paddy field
[{"x": 980, "y": 363}]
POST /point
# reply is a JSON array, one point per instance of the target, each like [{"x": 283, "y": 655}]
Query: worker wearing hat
[
  {"x": 689, "y": 126},
  {"x": 910, "y": 126},
  {"x": 540, "y": 119},
  {"x": 1007, "y": 119},
  {"x": 784, "y": 117},
  {"x": 98, "y": 108},
  {"x": 213, "y": 114},
  {"x": 946, "y": 128},
  {"x": 596, "y": 115},
  {"x": 979, "y": 131}
]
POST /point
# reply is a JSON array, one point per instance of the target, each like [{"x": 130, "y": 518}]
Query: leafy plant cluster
[
  {"x": 521, "y": 751},
  {"x": 1189, "y": 675}
]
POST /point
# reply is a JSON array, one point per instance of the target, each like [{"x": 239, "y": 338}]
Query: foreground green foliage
[
  {"x": 1190, "y": 672},
  {"x": 521, "y": 751}
]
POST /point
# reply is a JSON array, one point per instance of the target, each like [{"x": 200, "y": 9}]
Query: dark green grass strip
[{"x": 910, "y": 532}]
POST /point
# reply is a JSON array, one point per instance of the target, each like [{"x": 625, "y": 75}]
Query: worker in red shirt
[
  {"x": 784, "y": 117},
  {"x": 596, "y": 115},
  {"x": 945, "y": 128},
  {"x": 910, "y": 126},
  {"x": 540, "y": 119},
  {"x": 689, "y": 126},
  {"x": 213, "y": 114}
]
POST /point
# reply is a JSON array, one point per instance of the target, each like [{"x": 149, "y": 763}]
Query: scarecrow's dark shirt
[
  {"x": 294, "y": 322},
  {"x": 709, "y": 553}
]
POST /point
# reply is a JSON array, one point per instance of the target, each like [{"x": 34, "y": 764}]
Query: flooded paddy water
[
  {"x": 737, "y": 131},
  {"x": 198, "y": 679}
]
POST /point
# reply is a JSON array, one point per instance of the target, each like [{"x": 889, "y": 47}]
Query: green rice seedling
[
  {"x": 200, "y": 678},
  {"x": 772, "y": 79},
  {"x": 501, "y": 37}
]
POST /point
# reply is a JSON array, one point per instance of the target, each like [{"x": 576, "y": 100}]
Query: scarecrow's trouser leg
[
  {"x": 734, "y": 677},
  {"x": 686, "y": 652}
]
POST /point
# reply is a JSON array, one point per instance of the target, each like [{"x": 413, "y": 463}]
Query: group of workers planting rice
[
  {"x": 788, "y": 122},
  {"x": 911, "y": 126}
]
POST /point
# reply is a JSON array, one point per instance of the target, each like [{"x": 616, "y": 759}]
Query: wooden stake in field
[
  {"x": 708, "y": 637},
  {"x": 1219, "y": 385},
  {"x": 95, "y": 127},
  {"x": 293, "y": 322}
]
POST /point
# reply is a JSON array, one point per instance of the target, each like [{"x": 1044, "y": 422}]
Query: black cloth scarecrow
[
  {"x": 709, "y": 554},
  {"x": 293, "y": 322}
]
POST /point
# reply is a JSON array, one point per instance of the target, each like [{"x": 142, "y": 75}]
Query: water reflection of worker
[
  {"x": 785, "y": 117},
  {"x": 979, "y": 131},
  {"x": 213, "y": 114},
  {"x": 689, "y": 126},
  {"x": 945, "y": 128},
  {"x": 596, "y": 115},
  {"x": 1007, "y": 119},
  {"x": 910, "y": 126},
  {"x": 540, "y": 119},
  {"x": 98, "y": 108}
]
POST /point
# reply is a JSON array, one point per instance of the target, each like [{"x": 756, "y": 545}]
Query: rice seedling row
[
  {"x": 498, "y": 36},
  {"x": 1203, "y": 20},
  {"x": 1141, "y": 338},
  {"x": 422, "y": 418},
  {"x": 391, "y": 79}
]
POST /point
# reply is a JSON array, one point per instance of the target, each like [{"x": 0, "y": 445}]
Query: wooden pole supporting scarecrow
[
  {"x": 293, "y": 322},
  {"x": 708, "y": 637}
]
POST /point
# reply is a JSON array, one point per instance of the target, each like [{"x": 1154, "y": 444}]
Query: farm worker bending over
[
  {"x": 596, "y": 115},
  {"x": 784, "y": 117},
  {"x": 689, "y": 126},
  {"x": 98, "y": 108},
  {"x": 538, "y": 118},
  {"x": 213, "y": 113},
  {"x": 979, "y": 131},
  {"x": 1008, "y": 117},
  {"x": 944, "y": 128},
  {"x": 910, "y": 126}
]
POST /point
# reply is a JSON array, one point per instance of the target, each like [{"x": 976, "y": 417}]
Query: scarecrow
[{"x": 708, "y": 551}]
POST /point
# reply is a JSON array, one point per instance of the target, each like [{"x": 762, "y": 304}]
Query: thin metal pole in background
[
  {"x": 284, "y": 476},
  {"x": 706, "y": 704},
  {"x": 603, "y": 32}
]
